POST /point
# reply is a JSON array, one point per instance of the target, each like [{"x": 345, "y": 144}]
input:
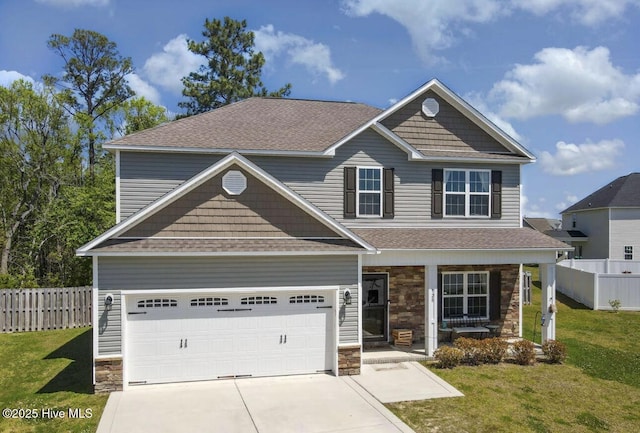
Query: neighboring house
[
  {"x": 610, "y": 218},
  {"x": 553, "y": 228},
  {"x": 283, "y": 236}
]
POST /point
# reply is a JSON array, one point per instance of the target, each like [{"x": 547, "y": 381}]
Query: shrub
[
  {"x": 615, "y": 304},
  {"x": 524, "y": 352},
  {"x": 555, "y": 351},
  {"x": 493, "y": 350},
  {"x": 448, "y": 357},
  {"x": 471, "y": 350}
]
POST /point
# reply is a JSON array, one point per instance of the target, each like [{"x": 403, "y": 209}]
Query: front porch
[{"x": 412, "y": 297}]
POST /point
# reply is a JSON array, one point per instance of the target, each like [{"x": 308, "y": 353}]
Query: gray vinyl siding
[
  {"x": 152, "y": 273},
  {"x": 321, "y": 182},
  {"x": 625, "y": 231},
  {"x": 109, "y": 324},
  {"x": 348, "y": 317},
  {"x": 225, "y": 272},
  {"x": 144, "y": 177}
]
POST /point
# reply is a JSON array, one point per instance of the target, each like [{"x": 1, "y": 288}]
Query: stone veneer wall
[
  {"x": 108, "y": 375},
  {"x": 349, "y": 360},
  {"x": 510, "y": 294},
  {"x": 406, "y": 296}
]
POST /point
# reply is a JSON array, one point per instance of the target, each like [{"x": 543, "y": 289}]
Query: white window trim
[
  {"x": 358, "y": 168},
  {"x": 465, "y": 293},
  {"x": 467, "y": 193}
]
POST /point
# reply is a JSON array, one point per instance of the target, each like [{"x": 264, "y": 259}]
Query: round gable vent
[
  {"x": 430, "y": 107},
  {"x": 234, "y": 182}
]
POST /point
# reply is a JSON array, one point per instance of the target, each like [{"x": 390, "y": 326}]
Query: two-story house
[
  {"x": 610, "y": 218},
  {"x": 283, "y": 236}
]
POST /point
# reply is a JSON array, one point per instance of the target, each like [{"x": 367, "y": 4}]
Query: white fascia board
[
  {"x": 411, "y": 151},
  {"x": 467, "y": 110},
  {"x": 219, "y": 253},
  {"x": 475, "y": 250},
  {"x": 217, "y": 151},
  {"x": 478, "y": 118},
  {"x": 205, "y": 175}
]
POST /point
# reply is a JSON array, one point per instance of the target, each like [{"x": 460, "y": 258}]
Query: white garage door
[{"x": 200, "y": 337}]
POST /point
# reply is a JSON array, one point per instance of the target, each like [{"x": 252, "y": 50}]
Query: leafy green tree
[
  {"x": 233, "y": 69},
  {"x": 80, "y": 213},
  {"x": 139, "y": 114},
  {"x": 95, "y": 81},
  {"x": 36, "y": 145}
]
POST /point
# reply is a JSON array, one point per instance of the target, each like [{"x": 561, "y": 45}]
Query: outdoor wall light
[
  {"x": 347, "y": 297},
  {"x": 108, "y": 300}
]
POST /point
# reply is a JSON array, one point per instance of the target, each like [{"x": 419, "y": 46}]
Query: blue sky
[{"x": 560, "y": 76}]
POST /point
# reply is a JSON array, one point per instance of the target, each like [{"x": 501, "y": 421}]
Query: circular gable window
[{"x": 234, "y": 182}]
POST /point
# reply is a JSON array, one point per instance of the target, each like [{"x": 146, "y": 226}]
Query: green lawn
[
  {"x": 596, "y": 390},
  {"x": 48, "y": 373}
]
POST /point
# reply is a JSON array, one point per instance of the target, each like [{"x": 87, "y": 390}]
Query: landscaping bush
[
  {"x": 448, "y": 357},
  {"x": 493, "y": 350},
  {"x": 555, "y": 351},
  {"x": 471, "y": 350},
  {"x": 524, "y": 352}
]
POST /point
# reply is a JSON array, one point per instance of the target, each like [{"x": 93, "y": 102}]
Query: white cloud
[
  {"x": 569, "y": 199},
  {"x": 586, "y": 12},
  {"x": 436, "y": 25},
  {"x": 8, "y": 77},
  {"x": 571, "y": 159},
  {"x": 74, "y": 3},
  {"x": 433, "y": 25},
  {"x": 144, "y": 89},
  {"x": 582, "y": 85},
  {"x": 167, "y": 68},
  {"x": 315, "y": 57},
  {"x": 479, "y": 103},
  {"x": 533, "y": 210}
]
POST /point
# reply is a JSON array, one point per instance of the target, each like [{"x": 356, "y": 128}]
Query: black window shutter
[
  {"x": 388, "y": 193},
  {"x": 437, "y": 195},
  {"x": 440, "y": 300},
  {"x": 496, "y": 194},
  {"x": 350, "y": 192},
  {"x": 495, "y": 295}
]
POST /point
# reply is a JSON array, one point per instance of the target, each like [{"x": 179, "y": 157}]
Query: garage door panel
[{"x": 257, "y": 335}]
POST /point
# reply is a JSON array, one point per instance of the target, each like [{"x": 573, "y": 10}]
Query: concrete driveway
[{"x": 309, "y": 403}]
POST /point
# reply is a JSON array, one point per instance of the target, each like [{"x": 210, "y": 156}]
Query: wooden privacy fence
[{"x": 41, "y": 309}]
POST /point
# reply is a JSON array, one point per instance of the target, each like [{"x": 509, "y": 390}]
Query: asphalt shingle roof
[
  {"x": 269, "y": 124},
  {"x": 459, "y": 239},
  {"x": 230, "y": 245},
  {"x": 622, "y": 192}
]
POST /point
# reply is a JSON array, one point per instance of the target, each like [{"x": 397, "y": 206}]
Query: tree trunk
[{"x": 6, "y": 250}]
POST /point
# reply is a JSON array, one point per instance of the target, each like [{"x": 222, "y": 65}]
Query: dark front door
[{"x": 374, "y": 307}]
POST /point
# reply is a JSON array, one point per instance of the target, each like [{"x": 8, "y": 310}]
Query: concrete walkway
[
  {"x": 402, "y": 381},
  {"x": 310, "y": 403}
]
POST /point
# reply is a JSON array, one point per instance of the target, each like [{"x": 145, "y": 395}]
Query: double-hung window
[
  {"x": 369, "y": 194},
  {"x": 467, "y": 193},
  {"x": 465, "y": 293},
  {"x": 628, "y": 252}
]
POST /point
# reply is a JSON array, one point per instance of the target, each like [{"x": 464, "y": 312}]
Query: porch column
[
  {"x": 431, "y": 309},
  {"x": 548, "y": 283}
]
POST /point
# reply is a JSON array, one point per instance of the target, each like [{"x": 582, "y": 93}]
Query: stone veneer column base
[
  {"x": 108, "y": 375},
  {"x": 349, "y": 360}
]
